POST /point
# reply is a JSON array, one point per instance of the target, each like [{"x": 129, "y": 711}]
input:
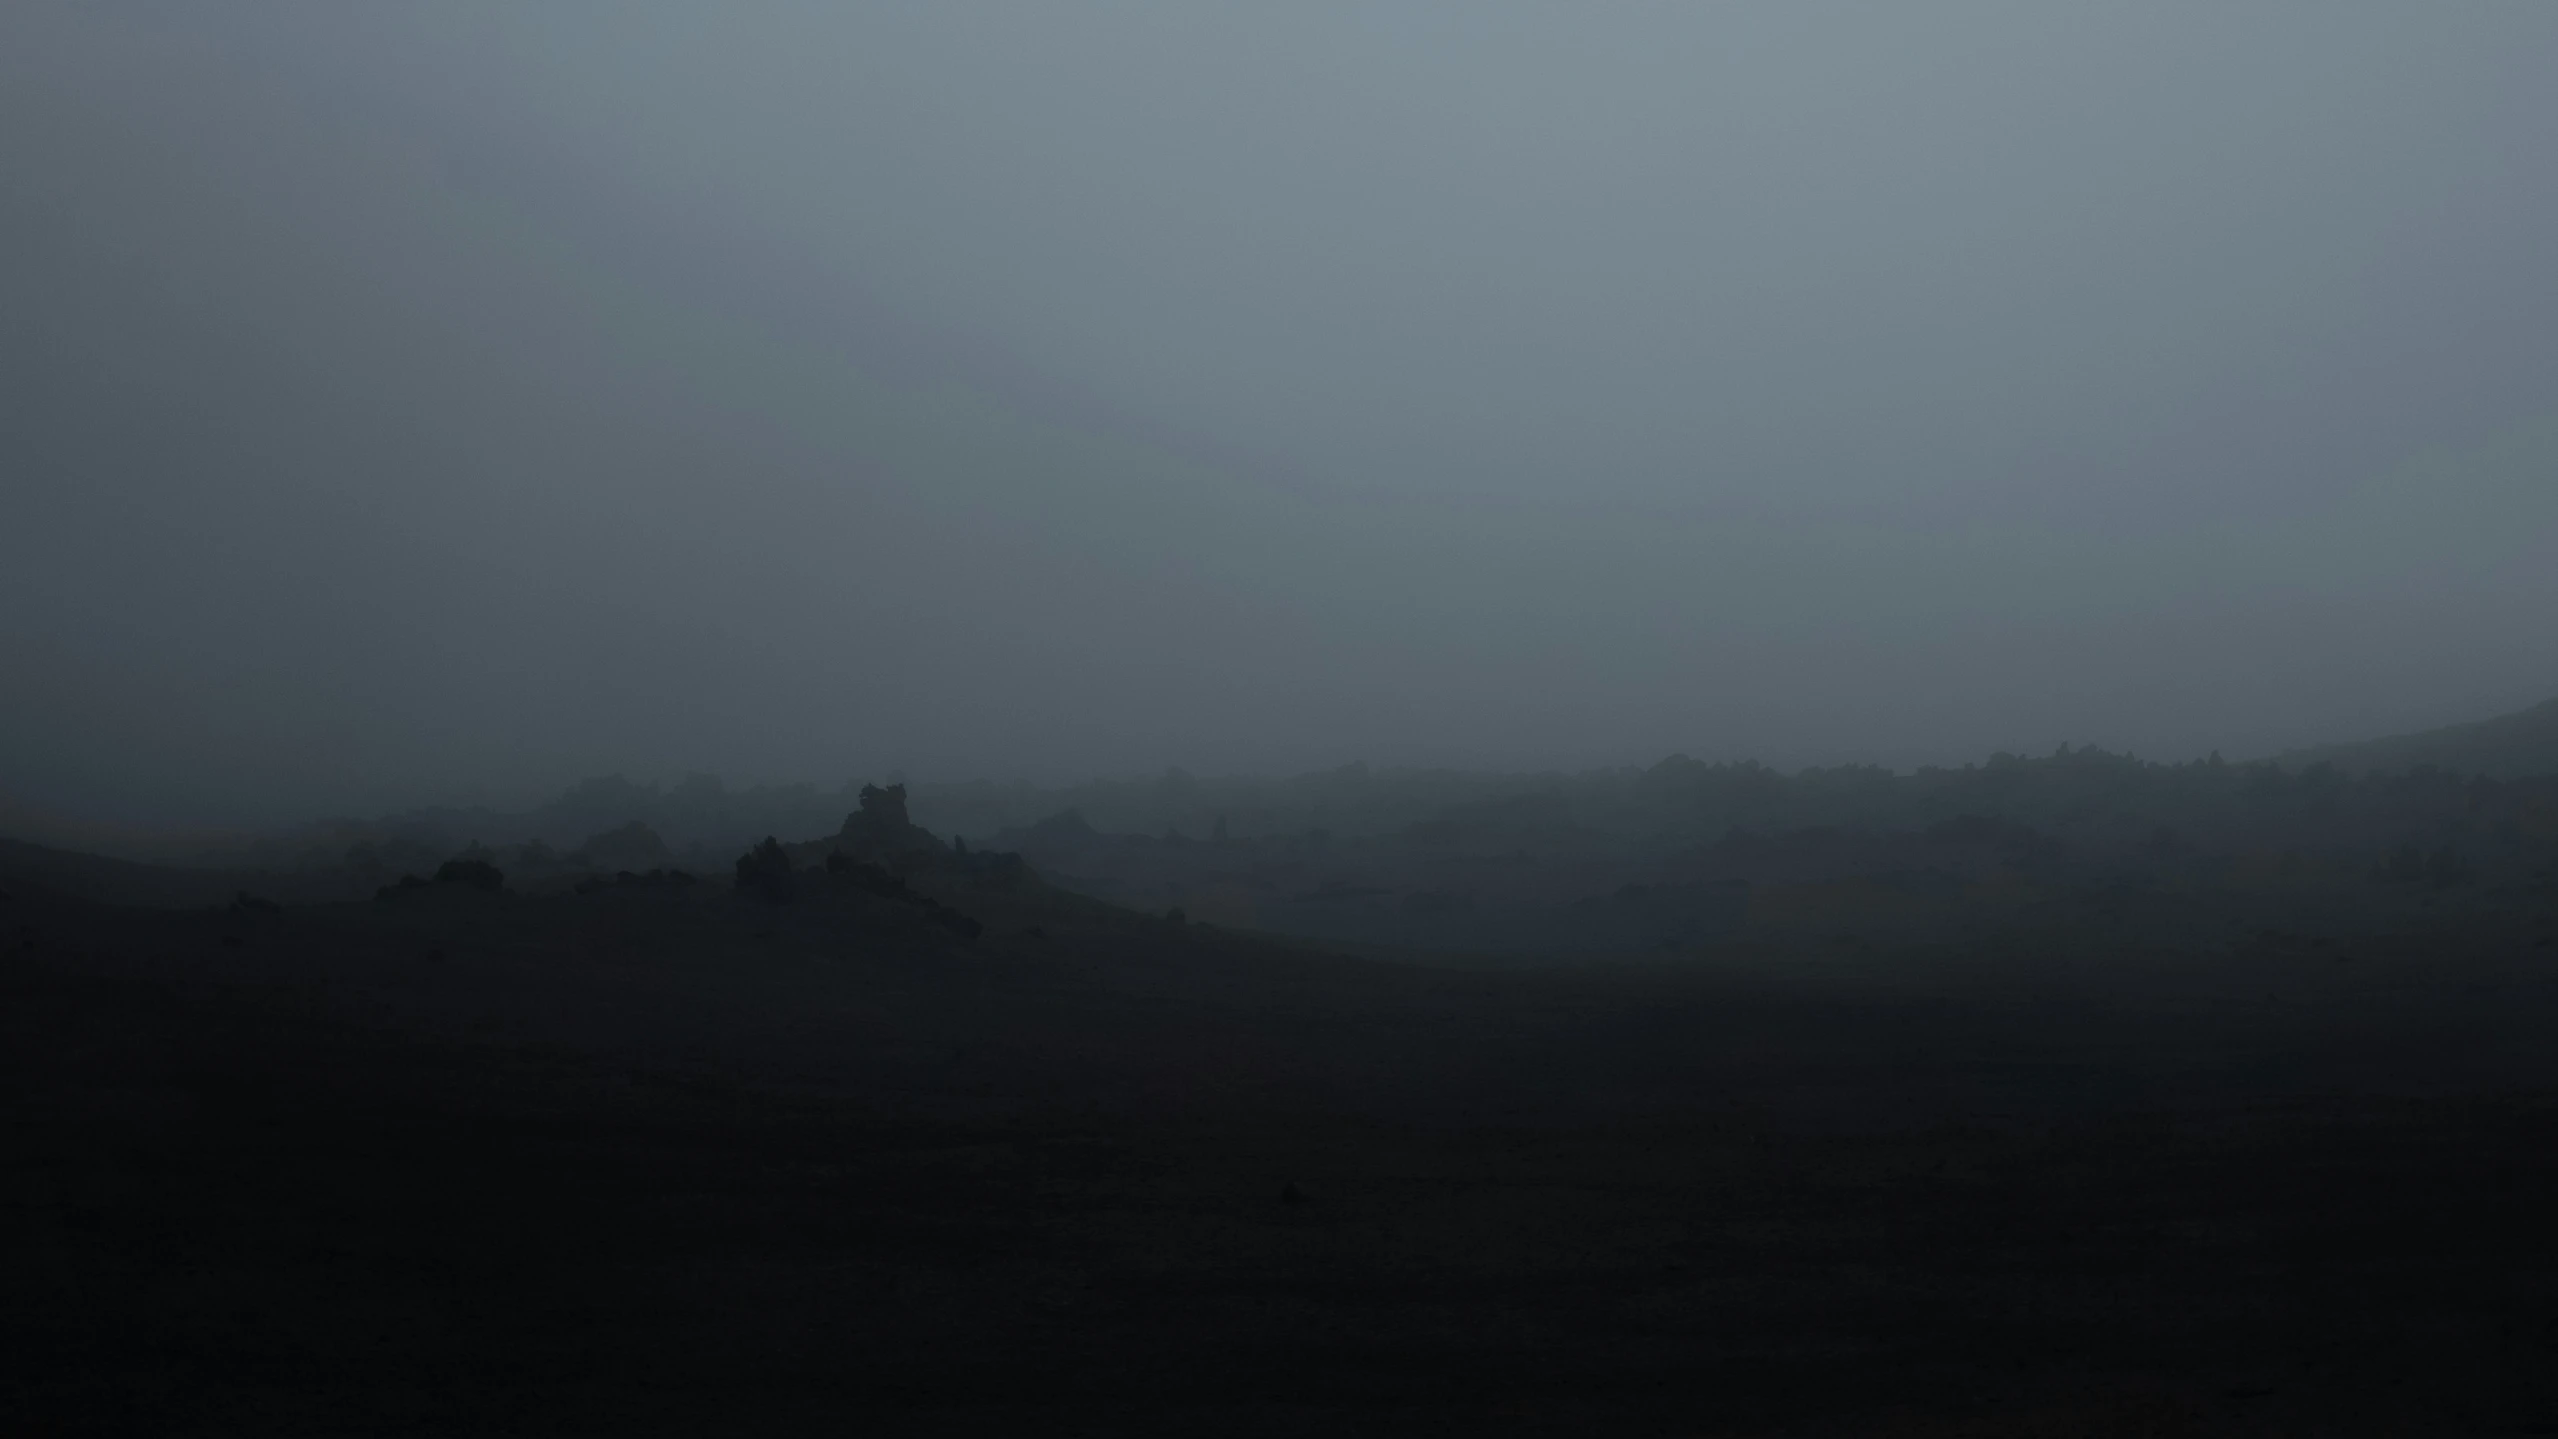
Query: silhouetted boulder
[
  {"x": 475, "y": 873},
  {"x": 765, "y": 871},
  {"x": 880, "y": 830},
  {"x": 885, "y": 807}
]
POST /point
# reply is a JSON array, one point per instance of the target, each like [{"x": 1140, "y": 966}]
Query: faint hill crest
[{"x": 2513, "y": 746}]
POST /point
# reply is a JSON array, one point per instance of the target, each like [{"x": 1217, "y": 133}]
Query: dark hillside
[
  {"x": 101, "y": 880},
  {"x": 658, "y": 1157},
  {"x": 2511, "y": 746},
  {"x": 1686, "y": 857}
]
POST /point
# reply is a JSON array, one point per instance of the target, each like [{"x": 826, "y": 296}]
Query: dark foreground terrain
[{"x": 653, "y": 1160}]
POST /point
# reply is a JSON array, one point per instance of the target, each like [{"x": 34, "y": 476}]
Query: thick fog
[{"x": 443, "y": 402}]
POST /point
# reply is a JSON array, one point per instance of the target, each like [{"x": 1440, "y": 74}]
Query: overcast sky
[{"x": 409, "y": 403}]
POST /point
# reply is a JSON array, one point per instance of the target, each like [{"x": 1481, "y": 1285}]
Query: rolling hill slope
[{"x": 2510, "y": 746}]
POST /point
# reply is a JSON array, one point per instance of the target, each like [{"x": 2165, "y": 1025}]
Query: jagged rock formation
[{"x": 879, "y": 831}]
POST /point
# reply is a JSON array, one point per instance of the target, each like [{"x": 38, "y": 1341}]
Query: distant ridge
[{"x": 2507, "y": 747}]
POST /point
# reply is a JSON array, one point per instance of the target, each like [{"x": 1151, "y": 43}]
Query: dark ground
[{"x": 679, "y": 1163}]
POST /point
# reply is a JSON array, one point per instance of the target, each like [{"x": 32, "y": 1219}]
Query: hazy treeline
[
  {"x": 2086, "y": 795},
  {"x": 2477, "y": 788},
  {"x": 1683, "y": 852}
]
